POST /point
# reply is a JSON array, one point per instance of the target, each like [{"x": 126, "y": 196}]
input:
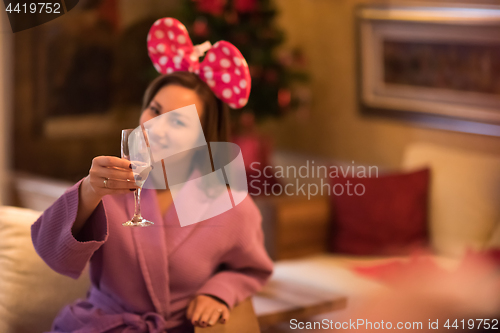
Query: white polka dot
[
  {"x": 173, "y": 48},
  {"x": 163, "y": 60},
  {"x": 161, "y": 47},
  {"x": 193, "y": 57},
  {"x": 237, "y": 72},
  {"x": 209, "y": 75},
  {"x": 237, "y": 61},
  {"x": 159, "y": 34},
  {"x": 242, "y": 101},
  {"x": 181, "y": 52},
  {"x": 169, "y": 22},
  {"x": 177, "y": 59},
  {"x": 233, "y": 106},
  {"x": 190, "y": 69},
  {"x": 171, "y": 35},
  {"x": 216, "y": 44},
  {"x": 226, "y": 50},
  {"x": 226, "y": 77},
  {"x": 207, "y": 68},
  {"x": 158, "y": 68},
  {"x": 225, "y": 63},
  {"x": 236, "y": 90},
  {"x": 211, "y": 57},
  {"x": 152, "y": 49},
  {"x": 211, "y": 83},
  {"x": 197, "y": 71},
  {"x": 157, "y": 22},
  {"x": 178, "y": 66},
  {"x": 244, "y": 62},
  {"x": 149, "y": 37},
  {"x": 243, "y": 84},
  {"x": 170, "y": 70},
  {"x": 181, "y": 26},
  {"x": 227, "y": 93},
  {"x": 181, "y": 39}
]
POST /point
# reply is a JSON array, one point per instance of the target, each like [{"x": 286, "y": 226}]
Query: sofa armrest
[
  {"x": 295, "y": 227},
  {"x": 242, "y": 320}
]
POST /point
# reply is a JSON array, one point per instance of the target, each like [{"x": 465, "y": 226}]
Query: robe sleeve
[
  {"x": 54, "y": 242},
  {"x": 247, "y": 266}
]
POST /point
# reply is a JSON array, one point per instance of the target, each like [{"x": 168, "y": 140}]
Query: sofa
[{"x": 463, "y": 216}]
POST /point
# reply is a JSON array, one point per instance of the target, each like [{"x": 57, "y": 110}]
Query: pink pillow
[{"x": 382, "y": 216}]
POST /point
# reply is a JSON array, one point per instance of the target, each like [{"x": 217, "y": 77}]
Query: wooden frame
[{"x": 431, "y": 29}]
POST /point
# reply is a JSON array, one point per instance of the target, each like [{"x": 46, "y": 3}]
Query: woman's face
[{"x": 173, "y": 131}]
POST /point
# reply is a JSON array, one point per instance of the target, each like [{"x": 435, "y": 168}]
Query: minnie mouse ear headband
[{"x": 224, "y": 69}]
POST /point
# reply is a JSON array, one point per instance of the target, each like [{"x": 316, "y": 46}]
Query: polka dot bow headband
[{"x": 224, "y": 69}]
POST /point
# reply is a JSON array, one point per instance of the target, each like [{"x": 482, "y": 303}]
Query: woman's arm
[
  {"x": 246, "y": 271},
  {"x": 118, "y": 171},
  {"x": 68, "y": 233},
  {"x": 246, "y": 266}
]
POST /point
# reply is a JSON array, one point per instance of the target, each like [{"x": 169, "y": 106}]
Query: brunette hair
[{"x": 215, "y": 118}]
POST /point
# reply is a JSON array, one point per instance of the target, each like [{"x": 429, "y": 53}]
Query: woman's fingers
[
  {"x": 205, "y": 311},
  {"x": 116, "y": 184},
  {"x": 111, "y": 175},
  {"x": 115, "y": 180},
  {"x": 112, "y": 162},
  {"x": 224, "y": 316},
  {"x": 189, "y": 312},
  {"x": 205, "y": 316},
  {"x": 215, "y": 316},
  {"x": 197, "y": 314}
]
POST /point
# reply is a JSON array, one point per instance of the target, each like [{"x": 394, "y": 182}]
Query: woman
[{"x": 163, "y": 277}]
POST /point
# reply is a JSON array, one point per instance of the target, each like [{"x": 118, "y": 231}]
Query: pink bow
[{"x": 224, "y": 69}]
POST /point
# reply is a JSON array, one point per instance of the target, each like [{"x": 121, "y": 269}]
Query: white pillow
[
  {"x": 31, "y": 294},
  {"x": 464, "y": 197}
]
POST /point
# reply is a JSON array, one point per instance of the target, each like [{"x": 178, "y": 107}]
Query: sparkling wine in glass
[{"x": 135, "y": 149}]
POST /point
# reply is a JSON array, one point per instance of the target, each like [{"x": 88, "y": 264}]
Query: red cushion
[{"x": 389, "y": 218}]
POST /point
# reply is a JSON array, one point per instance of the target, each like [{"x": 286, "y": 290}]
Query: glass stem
[{"x": 137, "y": 199}]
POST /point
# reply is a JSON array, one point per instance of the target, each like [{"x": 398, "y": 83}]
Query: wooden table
[
  {"x": 241, "y": 320},
  {"x": 279, "y": 301},
  {"x": 283, "y": 300}
]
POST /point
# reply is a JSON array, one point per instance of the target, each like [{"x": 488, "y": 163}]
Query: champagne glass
[{"x": 135, "y": 149}]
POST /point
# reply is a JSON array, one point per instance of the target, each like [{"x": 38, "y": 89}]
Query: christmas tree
[{"x": 250, "y": 26}]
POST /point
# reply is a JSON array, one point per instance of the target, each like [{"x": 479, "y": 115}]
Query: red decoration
[
  {"x": 255, "y": 70},
  {"x": 245, "y": 6},
  {"x": 231, "y": 17},
  {"x": 284, "y": 97},
  {"x": 247, "y": 122},
  {"x": 108, "y": 11},
  {"x": 200, "y": 27},
  {"x": 271, "y": 75},
  {"x": 256, "y": 150},
  {"x": 212, "y": 7}
]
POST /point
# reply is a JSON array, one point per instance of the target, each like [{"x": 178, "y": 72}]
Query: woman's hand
[
  {"x": 117, "y": 173},
  {"x": 205, "y": 311},
  {"x": 110, "y": 175}
]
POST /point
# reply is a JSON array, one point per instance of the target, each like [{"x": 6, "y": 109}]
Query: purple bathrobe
[{"x": 144, "y": 278}]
